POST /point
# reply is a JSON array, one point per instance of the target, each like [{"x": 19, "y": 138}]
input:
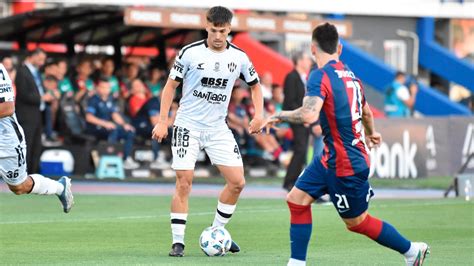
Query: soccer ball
[{"x": 215, "y": 241}]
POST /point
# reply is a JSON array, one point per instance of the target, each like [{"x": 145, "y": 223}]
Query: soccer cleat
[
  {"x": 66, "y": 198},
  {"x": 177, "y": 250},
  {"x": 419, "y": 258},
  {"x": 234, "y": 248}
]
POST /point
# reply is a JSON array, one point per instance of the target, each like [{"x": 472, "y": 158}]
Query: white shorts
[
  {"x": 219, "y": 145},
  {"x": 13, "y": 165}
]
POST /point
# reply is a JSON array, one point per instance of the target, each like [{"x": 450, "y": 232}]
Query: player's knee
[
  {"x": 18, "y": 190},
  {"x": 183, "y": 188},
  {"x": 354, "y": 222},
  {"x": 238, "y": 186}
]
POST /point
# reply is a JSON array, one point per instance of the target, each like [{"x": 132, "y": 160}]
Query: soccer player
[
  {"x": 208, "y": 70},
  {"x": 335, "y": 96},
  {"x": 13, "y": 149}
]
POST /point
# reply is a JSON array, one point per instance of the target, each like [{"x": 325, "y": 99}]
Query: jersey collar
[{"x": 207, "y": 46}]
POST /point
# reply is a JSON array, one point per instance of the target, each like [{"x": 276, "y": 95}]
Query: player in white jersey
[
  {"x": 13, "y": 153},
  {"x": 208, "y": 70}
]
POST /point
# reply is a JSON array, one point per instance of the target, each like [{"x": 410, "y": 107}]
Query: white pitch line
[
  {"x": 132, "y": 217},
  {"x": 253, "y": 210}
]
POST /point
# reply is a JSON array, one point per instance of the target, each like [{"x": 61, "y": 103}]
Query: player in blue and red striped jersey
[{"x": 335, "y": 96}]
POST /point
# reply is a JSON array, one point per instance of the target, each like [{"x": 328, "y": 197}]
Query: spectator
[
  {"x": 267, "y": 85},
  {"x": 84, "y": 85},
  {"x": 132, "y": 73},
  {"x": 64, "y": 83},
  {"x": 105, "y": 122},
  {"x": 107, "y": 71},
  {"x": 294, "y": 89},
  {"x": 155, "y": 82},
  {"x": 7, "y": 62},
  {"x": 399, "y": 100},
  {"x": 50, "y": 83},
  {"x": 145, "y": 113},
  {"x": 30, "y": 103}
]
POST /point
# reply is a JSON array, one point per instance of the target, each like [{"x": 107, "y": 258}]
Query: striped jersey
[
  {"x": 340, "y": 118},
  {"x": 11, "y": 132},
  {"x": 208, "y": 78}
]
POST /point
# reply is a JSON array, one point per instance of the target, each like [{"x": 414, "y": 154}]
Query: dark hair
[
  {"x": 399, "y": 74},
  {"x": 105, "y": 59},
  {"x": 326, "y": 37},
  {"x": 103, "y": 79},
  {"x": 50, "y": 78},
  {"x": 50, "y": 62},
  {"x": 36, "y": 51},
  {"x": 219, "y": 16}
]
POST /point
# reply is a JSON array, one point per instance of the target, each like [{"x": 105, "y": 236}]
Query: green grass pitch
[{"x": 135, "y": 230}]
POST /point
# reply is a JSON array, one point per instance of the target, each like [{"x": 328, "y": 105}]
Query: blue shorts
[{"x": 350, "y": 194}]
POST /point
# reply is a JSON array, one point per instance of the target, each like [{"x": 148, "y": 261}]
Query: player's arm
[
  {"x": 257, "y": 100},
  {"x": 372, "y": 137},
  {"x": 167, "y": 96},
  {"x": 92, "y": 119},
  {"x": 308, "y": 113},
  {"x": 160, "y": 131},
  {"x": 7, "y": 109}
]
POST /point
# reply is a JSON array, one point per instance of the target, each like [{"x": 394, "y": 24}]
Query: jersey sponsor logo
[
  {"x": 200, "y": 66},
  {"x": 232, "y": 66},
  {"x": 251, "y": 70},
  {"x": 216, "y": 67},
  {"x": 215, "y": 98},
  {"x": 345, "y": 74},
  {"x": 178, "y": 67},
  {"x": 397, "y": 160},
  {"x": 214, "y": 83},
  {"x": 4, "y": 88}
]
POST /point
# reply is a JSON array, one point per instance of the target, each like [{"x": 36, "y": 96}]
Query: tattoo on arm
[{"x": 297, "y": 116}]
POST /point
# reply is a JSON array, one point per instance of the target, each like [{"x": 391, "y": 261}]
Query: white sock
[
  {"x": 295, "y": 262},
  {"x": 412, "y": 251},
  {"x": 178, "y": 225},
  {"x": 45, "y": 186},
  {"x": 223, "y": 214}
]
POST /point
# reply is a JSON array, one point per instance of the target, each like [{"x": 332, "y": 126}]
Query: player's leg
[
  {"x": 351, "y": 197},
  {"x": 235, "y": 182},
  {"x": 301, "y": 224},
  {"x": 309, "y": 186},
  {"x": 19, "y": 182},
  {"x": 185, "y": 148},
  {"x": 179, "y": 210},
  {"x": 224, "y": 152},
  {"x": 385, "y": 234}
]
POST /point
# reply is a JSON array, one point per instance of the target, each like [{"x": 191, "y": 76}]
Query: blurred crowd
[{"x": 91, "y": 96}]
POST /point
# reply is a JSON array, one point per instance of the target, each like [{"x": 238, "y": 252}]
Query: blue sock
[
  {"x": 391, "y": 238},
  {"x": 299, "y": 236},
  {"x": 383, "y": 233},
  {"x": 300, "y": 230}
]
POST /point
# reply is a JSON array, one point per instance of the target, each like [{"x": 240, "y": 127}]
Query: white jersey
[
  {"x": 208, "y": 78},
  {"x": 11, "y": 132}
]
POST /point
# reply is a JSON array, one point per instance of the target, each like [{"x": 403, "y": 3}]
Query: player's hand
[
  {"x": 48, "y": 97},
  {"x": 109, "y": 126},
  {"x": 160, "y": 131},
  {"x": 128, "y": 127},
  {"x": 270, "y": 123},
  {"x": 256, "y": 125},
  {"x": 373, "y": 140}
]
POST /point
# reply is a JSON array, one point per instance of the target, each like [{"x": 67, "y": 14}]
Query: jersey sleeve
[
  {"x": 362, "y": 92},
  {"x": 315, "y": 84},
  {"x": 248, "y": 73},
  {"x": 6, "y": 87},
  {"x": 180, "y": 66},
  {"x": 91, "y": 106}
]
